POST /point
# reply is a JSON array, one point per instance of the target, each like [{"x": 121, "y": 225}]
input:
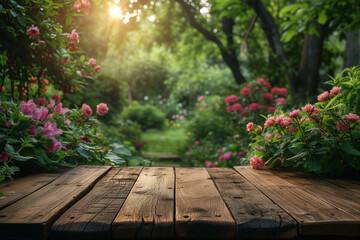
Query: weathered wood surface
[
  {"x": 200, "y": 211},
  {"x": 335, "y": 195},
  {"x": 148, "y": 212},
  {"x": 96, "y": 202},
  {"x": 256, "y": 215},
  {"x": 32, "y": 216},
  {"x": 91, "y": 217},
  {"x": 314, "y": 216},
  {"x": 14, "y": 191}
]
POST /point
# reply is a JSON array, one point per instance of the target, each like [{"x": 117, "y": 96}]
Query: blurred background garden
[{"x": 123, "y": 82}]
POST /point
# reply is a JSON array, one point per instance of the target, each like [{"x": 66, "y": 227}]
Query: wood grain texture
[
  {"x": 350, "y": 184},
  {"x": 256, "y": 216},
  {"x": 91, "y": 217},
  {"x": 32, "y": 216},
  {"x": 148, "y": 212},
  {"x": 20, "y": 188},
  {"x": 314, "y": 216},
  {"x": 200, "y": 211},
  {"x": 335, "y": 195}
]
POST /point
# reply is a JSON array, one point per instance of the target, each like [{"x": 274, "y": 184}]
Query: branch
[{"x": 249, "y": 30}]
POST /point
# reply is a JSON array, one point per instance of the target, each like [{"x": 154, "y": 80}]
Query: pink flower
[
  {"x": 245, "y": 91},
  {"x": 268, "y": 136},
  {"x": 260, "y": 128},
  {"x": 250, "y": 126},
  {"x": 202, "y": 109},
  {"x": 73, "y": 49},
  {"x": 197, "y": 143},
  {"x": 200, "y": 98},
  {"x": 4, "y": 157},
  {"x": 292, "y": 130},
  {"x": 97, "y": 69},
  {"x": 197, "y": 104},
  {"x": 227, "y": 156},
  {"x": 159, "y": 96},
  {"x": 241, "y": 154},
  {"x": 229, "y": 109},
  {"x": 45, "y": 113},
  {"x": 59, "y": 109},
  {"x": 214, "y": 165},
  {"x": 181, "y": 117},
  {"x": 220, "y": 151},
  {"x": 282, "y": 91},
  {"x": 85, "y": 139},
  {"x": 83, "y": 5},
  {"x": 342, "y": 126},
  {"x": 52, "y": 104},
  {"x": 334, "y": 91},
  {"x": 237, "y": 107},
  {"x": 33, "y": 32},
  {"x": 92, "y": 62},
  {"x": 66, "y": 61},
  {"x": 308, "y": 108},
  {"x": 208, "y": 164},
  {"x": 269, "y": 122},
  {"x": 74, "y": 36},
  {"x": 9, "y": 123},
  {"x": 41, "y": 42},
  {"x": 32, "y": 131},
  {"x": 86, "y": 110},
  {"x": 50, "y": 130},
  {"x": 161, "y": 102},
  {"x": 28, "y": 108},
  {"x": 268, "y": 96},
  {"x": 272, "y": 109},
  {"x": 256, "y": 162},
  {"x": 294, "y": 113},
  {"x": 280, "y": 100},
  {"x": 315, "y": 112},
  {"x": 231, "y": 98},
  {"x": 323, "y": 97},
  {"x": 279, "y": 119},
  {"x": 352, "y": 117},
  {"x": 55, "y": 97},
  {"x": 67, "y": 121},
  {"x": 260, "y": 80},
  {"x": 55, "y": 146},
  {"x": 102, "y": 109},
  {"x": 254, "y": 106},
  {"x": 285, "y": 122},
  {"x": 221, "y": 158}
]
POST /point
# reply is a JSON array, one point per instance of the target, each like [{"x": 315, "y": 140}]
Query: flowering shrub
[
  {"x": 48, "y": 135},
  {"x": 255, "y": 98},
  {"x": 323, "y": 138},
  {"x": 210, "y": 155}
]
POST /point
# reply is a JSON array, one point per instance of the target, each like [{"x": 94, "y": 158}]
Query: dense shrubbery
[
  {"x": 323, "y": 138},
  {"x": 147, "y": 116}
]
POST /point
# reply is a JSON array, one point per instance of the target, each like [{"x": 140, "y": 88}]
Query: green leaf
[
  {"x": 292, "y": 8},
  {"x": 84, "y": 153},
  {"x": 13, "y": 13},
  {"x": 314, "y": 166},
  {"x": 350, "y": 150},
  {"x": 14, "y": 169},
  {"x": 82, "y": 58},
  {"x": 9, "y": 149},
  {"x": 114, "y": 158},
  {"x": 322, "y": 17},
  {"x": 22, "y": 158}
]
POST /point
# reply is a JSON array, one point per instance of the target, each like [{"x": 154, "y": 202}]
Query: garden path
[{"x": 98, "y": 202}]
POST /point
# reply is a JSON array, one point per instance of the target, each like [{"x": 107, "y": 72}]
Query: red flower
[
  {"x": 86, "y": 110},
  {"x": 102, "y": 109},
  {"x": 40, "y": 101},
  {"x": 245, "y": 91},
  {"x": 33, "y": 32},
  {"x": 254, "y": 106},
  {"x": 85, "y": 139},
  {"x": 4, "y": 157},
  {"x": 230, "y": 99}
]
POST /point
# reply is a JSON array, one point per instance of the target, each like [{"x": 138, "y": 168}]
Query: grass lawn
[{"x": 164, "y": 141}]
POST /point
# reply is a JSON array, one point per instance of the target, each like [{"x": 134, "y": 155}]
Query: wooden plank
[
  {"x": 32, "y": 216},
  {"x": 314, "y": 216},
  {"x": 335, "y": 195},
  {"x": 20, "y": 188},
  {"x": 256, "y": 216},
  {"x": 200, "y": 211},
  {"x": 350, "y": 184},
  {"x": 91, "y": 217},
  {"x": 148, "y": 211}
]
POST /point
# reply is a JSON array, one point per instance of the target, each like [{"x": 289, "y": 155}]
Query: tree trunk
[
  {"x": 310, "y": 62},
  {"x": 271, "y": 31},
  {"x": 352, "y": 49},
  {"x": 228, "y": 52}
]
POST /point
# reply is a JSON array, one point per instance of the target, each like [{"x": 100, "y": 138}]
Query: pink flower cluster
[
  {"x": 231, "y": 98},
  {"x": 210, "y": 164},
  {"x": 83, "y": 5},
  {"x": 74, "y": 37},
  {"x": 256, "y": 162}
]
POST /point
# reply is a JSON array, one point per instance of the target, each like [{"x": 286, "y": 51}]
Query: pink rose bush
[
  {"x": 320, "y": 138},
  {"x": 49, "y": 135}
]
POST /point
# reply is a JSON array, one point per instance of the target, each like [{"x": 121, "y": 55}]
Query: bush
[
  {"x": 323, "y": 138},
  {"x": 146, "y": 116}
]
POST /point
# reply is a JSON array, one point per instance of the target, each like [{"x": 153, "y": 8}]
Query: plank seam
[
  {"x": 7, "y": 205},
  {"x": 297, "y": 223},
  {"x": 52, "y": 220},
  {"x": 174, "y": 219},
  {"x": 216, "y": 186}
]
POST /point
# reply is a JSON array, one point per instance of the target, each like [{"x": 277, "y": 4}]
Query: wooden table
[{"x": 97, "y": 202}]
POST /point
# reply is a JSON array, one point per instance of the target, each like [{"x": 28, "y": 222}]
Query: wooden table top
[{"x": 98, "y": 202}]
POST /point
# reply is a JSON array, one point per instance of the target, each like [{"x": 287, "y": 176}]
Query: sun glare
[{"x": 116, "y": 12}]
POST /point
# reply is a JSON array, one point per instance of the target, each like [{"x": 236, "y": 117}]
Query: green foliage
[
  {"x": 147, "y": 116},
  {"x": 322, "y": 139}
]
